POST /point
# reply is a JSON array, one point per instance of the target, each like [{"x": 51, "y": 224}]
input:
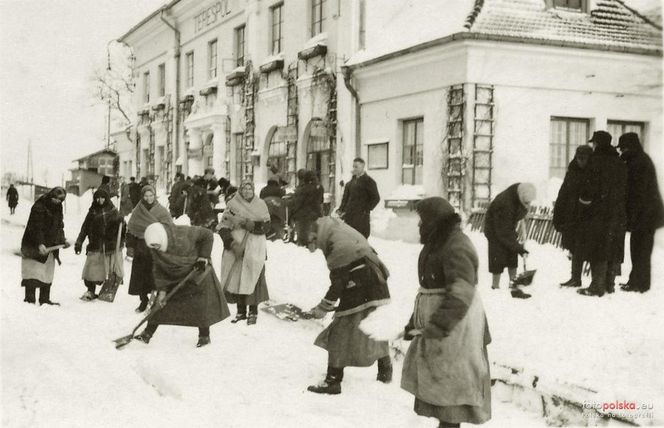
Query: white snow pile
[{"x": 60, "y": 367}]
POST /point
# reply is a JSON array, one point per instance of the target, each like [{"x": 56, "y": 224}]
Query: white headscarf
[{"x": 156, "y": 234}]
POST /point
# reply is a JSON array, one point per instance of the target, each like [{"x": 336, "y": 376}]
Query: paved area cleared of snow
[{"x": 60, "y": 368}]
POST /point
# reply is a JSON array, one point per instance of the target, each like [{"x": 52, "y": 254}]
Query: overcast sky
[{"x": 48, "y": 51}]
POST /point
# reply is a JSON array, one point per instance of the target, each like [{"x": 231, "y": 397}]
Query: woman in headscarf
[
  {"x": 243, "y": 227},
  {"x": 100, "y": 226},
  {"x": 45, "y": 229},
  {"x": 359, "y": 282},
  {"x": 176, "y": 250},
  {"x": 146, "y": 212},
  {"x": 446, "y": 367}
]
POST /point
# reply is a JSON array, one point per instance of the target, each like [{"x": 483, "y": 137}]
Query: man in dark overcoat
[
  {"x": 645, "y": 211},
  {"x": 359, "y": 198}
]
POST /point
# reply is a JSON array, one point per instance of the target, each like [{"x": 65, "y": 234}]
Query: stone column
[
  {"x": 219, "y": 149},
  {"x": 195, "y": 158}
]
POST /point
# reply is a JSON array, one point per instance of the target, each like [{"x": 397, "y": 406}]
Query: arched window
[
  {"x": 319, "y": 152},
  {"x": 282, "y": 143}
]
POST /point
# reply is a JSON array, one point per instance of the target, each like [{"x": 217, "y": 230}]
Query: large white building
[{"x": 458, "y": 98}]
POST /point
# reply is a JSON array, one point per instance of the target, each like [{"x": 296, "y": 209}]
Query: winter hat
[
  {"x": 527, "y": 193},
  {"x": 583, "y": 151},
  {"x": 434, "y": 208},
  {"x": 156, "y": 234},
  {"x": 100, "y": 193},
  {"x": 601, "y": 138},
  {"x": 146, "y": 188},
  {"x": 629, "y": 141}
]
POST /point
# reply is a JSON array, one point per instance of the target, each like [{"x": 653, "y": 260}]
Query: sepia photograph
[{"x": 331, "y": 213}]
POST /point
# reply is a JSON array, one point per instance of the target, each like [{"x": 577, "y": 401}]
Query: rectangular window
[
  {"x": 619, "y": 127},
  {"x": 566, "y": 135},
  {"x": 570, "y": 4},
  {"x": 239, "y": 46},
  {"x": 212, "y": 59},
  {"x": 277, "y": 23},
  {"x": 162, "y": 80},
  {"x": 413, "y": 151},
  {"x": 317, "y": 17},
  {"x": 189, "y": 75},
  {"x": 378, "y": 156},
  {"x": 146, "y": 87}
]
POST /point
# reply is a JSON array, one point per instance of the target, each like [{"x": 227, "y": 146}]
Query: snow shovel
[
  {"x": 24, "y": 253},
  {"x": 287, "y": 311},
  {"x": 525, "y": 277},
  {"x": 124, "y": 341}
]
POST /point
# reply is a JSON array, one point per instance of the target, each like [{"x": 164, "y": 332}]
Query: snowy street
[{"x": 61, "y": 369}]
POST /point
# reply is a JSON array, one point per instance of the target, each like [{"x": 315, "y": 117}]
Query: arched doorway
[
  {"x": 320, "y": 157},
  {"x": 281, "y": 147}
]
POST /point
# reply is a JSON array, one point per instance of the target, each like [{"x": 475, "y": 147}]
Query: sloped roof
[
  {"x": 609, "y": 23},
  {"x": 399, "y": 25},
  {"x": 98, "y": 152}
]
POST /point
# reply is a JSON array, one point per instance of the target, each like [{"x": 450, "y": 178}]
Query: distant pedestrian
[
  {"x": 134, "y": 192},
  {"x": 12, "y": 199},
  {"x": 176, "y": 199},
  {"x": 148, "y": 211},
  {"x": 446, "y": 367},
  {"x": 44, "y": 231},
  {"x": 199, "y": 208},
  {"x": 645, "y": 211},
  {"x": 566, "y": 210},
  {"x": 176, "y": 250},
  {"x": 305, "y": 207},
  {"x": 211, "y": 186},
  {"x": 359, "y": 198},
  {"x": 100, "y": 227},
  {"x": 500, "y": 228},
  {"x": 126, "y": 206},
  {"x": 243, "y": 227},
  {"x": 601, "y": 239},
  {"x": 273, "y": 195},
  {"x": 359, "y": 282}
]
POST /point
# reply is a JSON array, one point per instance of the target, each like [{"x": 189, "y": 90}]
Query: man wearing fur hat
[
  {"x": 359, "y": 283},
  {"x": 176, "y": 250},
  {"x": 500, "y": 229}
]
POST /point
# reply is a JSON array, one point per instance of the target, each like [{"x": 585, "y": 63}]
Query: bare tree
[{"x": 114, "y": 84}]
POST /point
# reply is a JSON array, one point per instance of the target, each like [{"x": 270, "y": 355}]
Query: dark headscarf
[{"x": 437, "y": 217}]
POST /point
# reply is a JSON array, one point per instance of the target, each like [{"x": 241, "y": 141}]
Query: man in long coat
[
  {"x": 500, "y": 229},
  {"x": 566, "y": 208},
  {"x": 12, "y": 198},
  {"x": 359, "y": 198},
  {"x": 645, "y": 211},
  {"x": 601, "y": 237}
]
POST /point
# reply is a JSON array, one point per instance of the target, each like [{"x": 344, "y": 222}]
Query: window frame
[
  {"x": 146, "y": 86},
  {"x": 189, "y": 69},
  {"x": 376, "y": 145},
  {"x": 625, "y": 123},
  {"x": 239, "y": 44},
  {"x": 162, "y": 79},
  {"x": 565, "y": 5},
  {"x": 317, "y": 13},
  {"x": 418, "y": 122},
  {"x": 570, "y": 151},
  {"x": 276, "y": 26},
  {"x": 213, "y": 55}
]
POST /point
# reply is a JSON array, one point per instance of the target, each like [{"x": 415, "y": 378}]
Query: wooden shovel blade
[{"x": 123, "y": 341}]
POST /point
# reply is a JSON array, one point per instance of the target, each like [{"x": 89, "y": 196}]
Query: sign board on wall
[{"x": 212, "y": 15}]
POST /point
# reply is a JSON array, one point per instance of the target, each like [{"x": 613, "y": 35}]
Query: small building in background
[{"x": 90, "y": 169}]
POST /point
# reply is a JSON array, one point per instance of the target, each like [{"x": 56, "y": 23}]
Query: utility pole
[{"x": 108, "y": 117}]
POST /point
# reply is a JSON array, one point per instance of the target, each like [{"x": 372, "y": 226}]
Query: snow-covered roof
[{"x": 394, "y": 26}]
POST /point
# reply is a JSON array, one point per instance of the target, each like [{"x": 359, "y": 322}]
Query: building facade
[
  {"x": 458, "y": 101},
  {"x": 90, "y": 169},
  {"x": 251, "y": 88},
  {"x": 500, "y": 92}
]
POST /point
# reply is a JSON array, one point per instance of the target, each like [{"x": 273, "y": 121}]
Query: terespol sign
[{"x": 211, "y": 15}]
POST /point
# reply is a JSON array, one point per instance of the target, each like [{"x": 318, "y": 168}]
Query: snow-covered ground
[{"x": 60, "y": 368}]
